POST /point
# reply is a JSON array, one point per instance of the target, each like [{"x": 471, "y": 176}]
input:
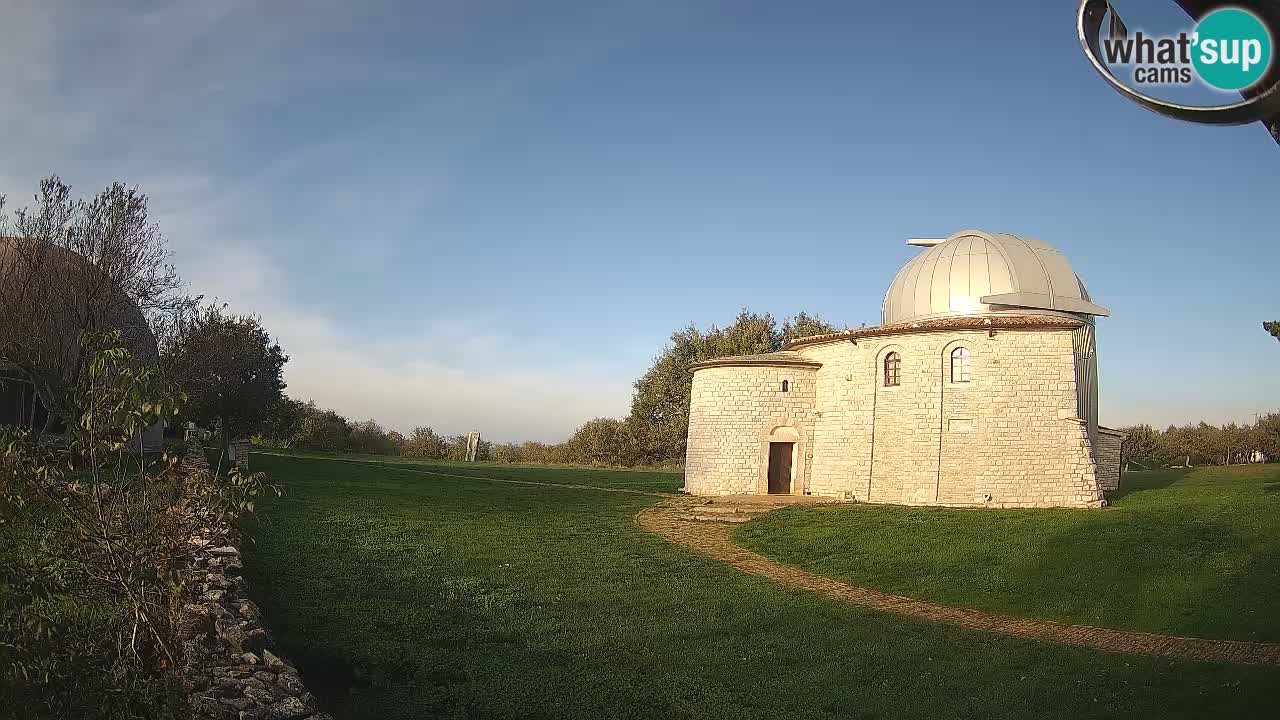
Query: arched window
[
  {"x": 786, "y": 386},
  {"x": 960, "y": 365},
  {"x": 892, "y": 369}
]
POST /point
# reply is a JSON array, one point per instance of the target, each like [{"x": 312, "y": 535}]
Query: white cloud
[{"x": 165, "y": 82}]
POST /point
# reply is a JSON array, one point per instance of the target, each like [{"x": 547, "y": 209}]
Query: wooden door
[{"x": 780, "y": 468}]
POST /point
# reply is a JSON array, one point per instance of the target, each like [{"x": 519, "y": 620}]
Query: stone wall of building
[
  {"x": 1108, "y": 453},
  {"x": 734, "y": 414},
  {"x": 1007, "y": 438}
]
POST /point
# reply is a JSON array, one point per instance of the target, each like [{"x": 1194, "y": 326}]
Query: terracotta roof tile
[
  {"x": 782, "y": 357},
  {"x": 983, "y": 322}
]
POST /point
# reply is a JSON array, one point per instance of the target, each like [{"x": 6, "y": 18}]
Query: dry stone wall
[
  {"x": 229, "y": 671},
  {"x": 1009, "y": 437}
]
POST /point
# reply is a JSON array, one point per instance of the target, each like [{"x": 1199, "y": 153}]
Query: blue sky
[{"x": 492, "y": 214}]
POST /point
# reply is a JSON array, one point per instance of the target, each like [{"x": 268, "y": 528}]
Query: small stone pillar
[
  {"x": 473, "y": 445},
  {"x": 238, "y": 452}
]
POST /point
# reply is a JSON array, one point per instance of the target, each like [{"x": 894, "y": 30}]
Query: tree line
[
  {"x": 1204, "y": 444},
  {"x": 295, "y": 424}
]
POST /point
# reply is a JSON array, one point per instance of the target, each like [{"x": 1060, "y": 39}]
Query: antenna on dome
[{"x": 925, "y": 242}]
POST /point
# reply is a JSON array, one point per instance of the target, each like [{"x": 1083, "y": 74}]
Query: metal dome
[
  {"x": 116, "y": 310},
  {"x": 981, "y": 273}
]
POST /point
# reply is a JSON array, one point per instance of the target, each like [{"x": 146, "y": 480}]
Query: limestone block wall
[
  {"x": 840, "y": 454},
  {"x": 1010, "y": 437},
  {"x": 733, "y": 414},
  {"x": 1005, "y": 438},
  {"x": 1037, "y": 451},
  {"x": 1108, "y": 453}
]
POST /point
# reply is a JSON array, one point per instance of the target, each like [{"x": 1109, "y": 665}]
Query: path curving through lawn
[
  {"x": 670, "y": 519},
  {"x": 684, "y": 521}
]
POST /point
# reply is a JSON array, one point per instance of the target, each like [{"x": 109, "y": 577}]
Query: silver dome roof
[{"x": 981, "y": 273}]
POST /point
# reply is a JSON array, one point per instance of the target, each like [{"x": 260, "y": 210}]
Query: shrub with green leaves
[{"x": 92, "y": 551}]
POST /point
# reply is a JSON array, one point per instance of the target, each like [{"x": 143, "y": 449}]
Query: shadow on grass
[
  {"x": 1133, "y": 482},
  {"x": 1209, "y": 579}
]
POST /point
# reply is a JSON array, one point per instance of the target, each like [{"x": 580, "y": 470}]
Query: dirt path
[{"x": 670, "y": 519}]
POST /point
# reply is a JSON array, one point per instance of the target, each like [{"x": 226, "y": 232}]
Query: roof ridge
[{"x": 965, "y": 322}]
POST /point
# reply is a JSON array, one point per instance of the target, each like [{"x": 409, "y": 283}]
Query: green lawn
[
  {"x": 406, "y": 595},
  {"x": 644, "y": 480},
  {"x": 1185, "y": 552}
]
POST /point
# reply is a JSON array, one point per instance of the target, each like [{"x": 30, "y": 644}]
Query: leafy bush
[
  {"x": 423, "y": 442},
  {"x": 92, "y": 551},
  {"x": 324, "y": 430},
  {"x": 369, "y": 437}
]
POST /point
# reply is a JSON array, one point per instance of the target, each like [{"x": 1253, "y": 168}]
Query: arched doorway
[{"x": 781, "y": 460}]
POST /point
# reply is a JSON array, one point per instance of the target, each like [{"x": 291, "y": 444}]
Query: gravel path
[{"x": 671, "y": 520}]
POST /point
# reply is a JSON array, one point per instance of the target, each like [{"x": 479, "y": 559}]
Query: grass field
[
  {"x": 1186, "y": 552},
  {"x": 403, "y": 594}
]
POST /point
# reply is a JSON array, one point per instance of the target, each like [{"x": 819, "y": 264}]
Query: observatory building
[{"x": 980, "y": 388}]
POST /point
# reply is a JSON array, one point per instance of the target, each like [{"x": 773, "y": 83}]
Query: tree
[
  {"x": 455, "y": 447},
  {"x": 323, "y": 430},
  {"x": 397, "y": 440},
  {"x": 369, "y": 437},
  {"x": 604, "y": 441},
  {"x": 805, "y": 325},
  {"x": 423, "y": 442},
  {"x": 660, "y": 404},
  {"x": 229, "y": 368},
  {"x": 1273, "y": 328},
  {"x": 1142, "y": 446},
  {"x": 95, "y": 554},
  {"x": 70, "y": 268},
  {"x": 1266, "y": 435},
  {"x": 532, "y": 453},
  {"x": 284, "y": 421}
]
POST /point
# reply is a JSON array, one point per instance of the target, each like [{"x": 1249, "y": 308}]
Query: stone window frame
[
  {"x": 892, "y": 376},
  {"x": 945, "y": 362},
  {"x": 882, "y": 354},
  {"x": 964, "y": 355}
]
